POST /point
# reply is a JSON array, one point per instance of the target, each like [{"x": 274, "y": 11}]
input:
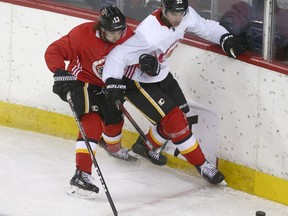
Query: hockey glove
[
  {"x": 149, "y": 64},
  {"x": 115, "y": 90},
  {"x": 232, "y": 45},
  {"x": 63, "y": 83}
]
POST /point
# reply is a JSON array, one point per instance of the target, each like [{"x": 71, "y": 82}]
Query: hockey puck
[{"x": 260, "y": 213}]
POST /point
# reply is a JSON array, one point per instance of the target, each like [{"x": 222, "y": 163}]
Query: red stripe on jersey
[
  {"x": 77, "y": 68},
  {"x": 129, "y": 72}
]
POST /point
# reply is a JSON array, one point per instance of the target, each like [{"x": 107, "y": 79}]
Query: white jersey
[{"x": 152, "y": 36}]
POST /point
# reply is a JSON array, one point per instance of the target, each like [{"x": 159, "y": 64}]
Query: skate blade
[{"x": 78, "y": 192}]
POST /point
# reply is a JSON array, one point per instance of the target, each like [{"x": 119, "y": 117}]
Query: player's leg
[
  {"x": 112, "y": 134},
  {"x": 171, "y": 121},
  {"x": 154, "y": 104},
  {"x": 86, "y": 106},
  {"x": 82, "y": 183},
  {"x": 175, "y": 123}
]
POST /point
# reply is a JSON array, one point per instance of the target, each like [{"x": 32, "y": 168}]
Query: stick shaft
[
  {"x": 133, "y": 122},
  {"x": 82, "y": 131}
]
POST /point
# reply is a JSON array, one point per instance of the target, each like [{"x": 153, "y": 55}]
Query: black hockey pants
[{"x": 155, "y": 100}]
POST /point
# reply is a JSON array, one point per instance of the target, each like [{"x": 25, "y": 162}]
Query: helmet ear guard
[{"x": 112, "y": 19}]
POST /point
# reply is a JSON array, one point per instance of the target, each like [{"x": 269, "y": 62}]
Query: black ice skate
[
  {"x": 122, "y": 153},
  {"x": 140, "y": 148},
  {"x": 82, "y": 185},
  {"x": 210, "y": 173}
]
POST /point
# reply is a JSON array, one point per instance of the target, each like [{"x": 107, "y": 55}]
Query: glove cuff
[
  {"x": 61, "y": 75},
  {"x": 223, "y": 39},
  {"x": 112, "y": 83}
]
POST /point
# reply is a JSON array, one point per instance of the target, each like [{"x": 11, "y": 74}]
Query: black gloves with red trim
[
  {"x": 63, "y": 83},
  {"x": 233, "y": 45}
]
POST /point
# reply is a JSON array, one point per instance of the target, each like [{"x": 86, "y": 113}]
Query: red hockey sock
[
  {"x": 195, "y": 157},
  {"x": 84, "y": 162},
  {"x": 112, "y": 135},
  {"x": 153, "y": 140}
]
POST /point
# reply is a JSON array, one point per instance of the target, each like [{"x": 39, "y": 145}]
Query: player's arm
[
  {"x": 64, "y": 49},
  {"x": 118, "y": 59},
  {"x": 55, "y": 56},
  {"x": 57, "y": 53},
  {"x": 214, "y": 32}
]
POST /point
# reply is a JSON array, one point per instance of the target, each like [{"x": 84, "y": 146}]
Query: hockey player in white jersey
[{"x": 139, "y": 69}]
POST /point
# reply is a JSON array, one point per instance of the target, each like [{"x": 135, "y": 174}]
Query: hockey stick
[
  {"x": 82, "y": 131},
  {"x": 141, "y": 133},
  {"x": 163, "y": 146}
]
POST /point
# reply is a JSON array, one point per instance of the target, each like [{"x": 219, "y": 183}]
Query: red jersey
[{"x": 85, "y": 52}]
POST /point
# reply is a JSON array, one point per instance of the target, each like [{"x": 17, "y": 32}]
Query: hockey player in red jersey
[
  {"x": 85, "y": 47},
  {"x": 155, "y": 92}
]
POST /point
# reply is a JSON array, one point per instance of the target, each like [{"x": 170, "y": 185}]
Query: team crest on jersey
[{"x": 97, "y": 68}]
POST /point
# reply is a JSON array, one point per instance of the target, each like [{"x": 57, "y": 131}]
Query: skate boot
[
  {"x": 140, "y": 148},
  {"x": 210, "y": 173},
  {"x": 122, "y": 154},
  {"x": 82, "y": 185}
]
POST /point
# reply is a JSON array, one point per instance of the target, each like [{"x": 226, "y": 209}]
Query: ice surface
[{"x": 35, "y": 171}]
